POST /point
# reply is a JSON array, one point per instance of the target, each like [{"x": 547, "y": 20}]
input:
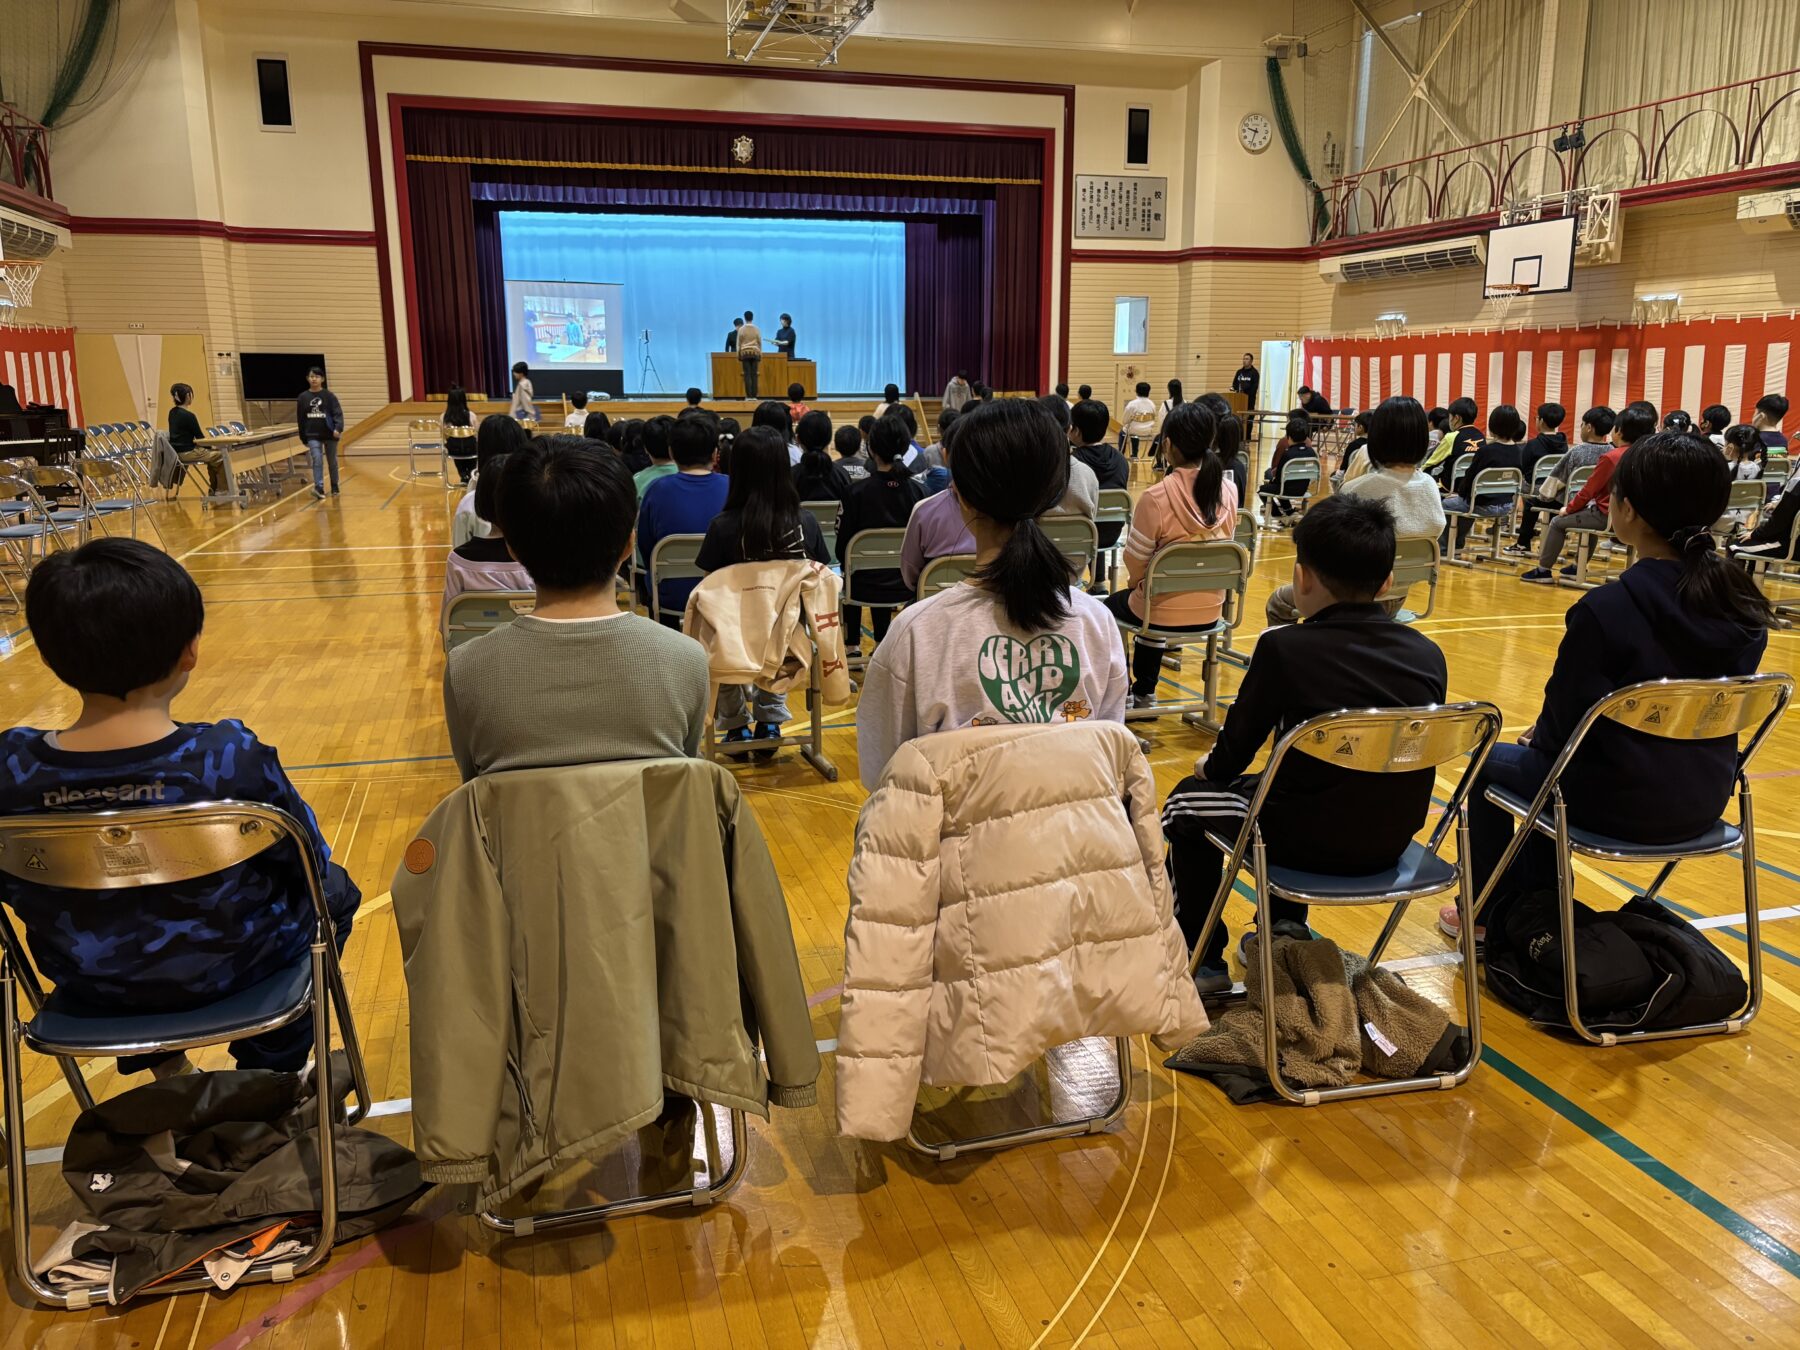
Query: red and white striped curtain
[
  {"x": 1674, "y": 365},
  {"x": 39, "y": 363}
]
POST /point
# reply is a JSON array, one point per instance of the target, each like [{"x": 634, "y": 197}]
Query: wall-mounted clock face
[{"x": 1256, "y": 133}]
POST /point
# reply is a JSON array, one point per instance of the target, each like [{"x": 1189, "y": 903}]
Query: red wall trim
[
  {"x": 32, "y": 204},
  {"x": 217, "y": 229},
  {"x": 1203, "y": 253},
  {"x": 368, "y": 51}
]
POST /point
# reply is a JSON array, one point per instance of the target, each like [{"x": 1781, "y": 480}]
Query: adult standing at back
[
  {"x": 320, "y": 418},
  {"x": 1248, "y": 380},
  {"x": 749, "y": 350}
]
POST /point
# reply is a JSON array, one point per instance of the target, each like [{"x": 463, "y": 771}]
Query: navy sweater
[{"x": 1627, "y": 783}]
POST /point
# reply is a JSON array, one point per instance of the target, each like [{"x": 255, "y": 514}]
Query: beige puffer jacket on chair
[{"x": 1007, "y": 895}]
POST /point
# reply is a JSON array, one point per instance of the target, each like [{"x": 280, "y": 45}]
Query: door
[
  {"x": 1278, "y": 375},
  {"x": 125, "y": 377}
]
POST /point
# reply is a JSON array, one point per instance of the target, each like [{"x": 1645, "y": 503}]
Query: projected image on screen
[{"x": 563, "y": 323}]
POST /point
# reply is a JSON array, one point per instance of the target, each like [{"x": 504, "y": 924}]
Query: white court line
[
  {"x": 1730, "y": 920},
  {"x": 1429, "y": 959}
]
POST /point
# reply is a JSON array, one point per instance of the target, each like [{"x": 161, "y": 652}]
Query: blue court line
[
  {"x": 1765, "y": 1244},
  {"x": 363, "y": 763}
]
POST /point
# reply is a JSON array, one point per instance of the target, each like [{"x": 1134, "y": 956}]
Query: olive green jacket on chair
[{"x": 578, "y": 939}]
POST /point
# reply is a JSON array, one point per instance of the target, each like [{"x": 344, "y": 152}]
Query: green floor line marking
[{"x": 1658, "y": 1171}]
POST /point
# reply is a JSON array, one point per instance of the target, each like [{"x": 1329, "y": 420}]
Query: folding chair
[
  {"x": 941, "y": 574},
  {"x": 1249, "y": 538},
  {"x": 672, "y": 560},
  {"x": 424, "y": 437},
  {"x": 1077, "y": 538},
  {"x": 1588, "y": 543},
  {"x": 1115, "y": 509},
  {"x": 1372, "y": 740},
  {"x": 1765, "y": 567},
  {"x": 1492, "y": 487},
  {"x": 46, "y": 485},
  {"x": 869, "y": 551},
  {"x": 1540, "y": 471},
  {"x": 1182, "y": 569},
  {"x": 105, "y": 852},
  {"x": 473, "y": 613},
  {"x": 826, "y": 513},
  {"x": 101, "y": 477},
  {"x": 1299, "y": 478},
  {"x": 1742, "y": 504},
  {"x": 1672, "y": 710},
  {"x": 1460, "y": 466},
  {"x": 1092, "y": 1123},
  {"x": 1415, "y": 561}
]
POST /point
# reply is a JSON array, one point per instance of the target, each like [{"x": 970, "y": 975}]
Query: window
[
  {"x": 272, "y": 93},
  {"x": 1137, "y": 137},
  {"x": 1131, "y": 325}
]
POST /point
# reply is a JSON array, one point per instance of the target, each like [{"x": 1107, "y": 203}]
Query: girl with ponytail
[
  {"x": 1197, "y": 499},
  {"x": 1018, "y": 641},
  {"x": 1681, "y": 611}
]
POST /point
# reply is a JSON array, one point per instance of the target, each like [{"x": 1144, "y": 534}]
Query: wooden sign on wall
[{"x": 1121, "y": 206}]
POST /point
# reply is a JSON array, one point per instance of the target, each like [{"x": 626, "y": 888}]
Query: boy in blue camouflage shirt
[{"x": 119, "y": 622}]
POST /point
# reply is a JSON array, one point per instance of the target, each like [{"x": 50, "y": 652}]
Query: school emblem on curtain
[{"x": 742, "y": 148}]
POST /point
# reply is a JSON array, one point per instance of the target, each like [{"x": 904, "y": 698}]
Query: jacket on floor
[
  {"x": 578, "y": 939},
  {"x": 1007, "y": 895},
  {"x": 758, "y": 622},
  {"x": 177, "y": 1170},
  {"x": 1329, "y": 1009},
  {"x": 1629, "y": 783}
]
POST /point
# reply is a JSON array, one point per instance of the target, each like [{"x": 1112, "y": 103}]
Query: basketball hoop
[
  {"x": 20, "y": 276},
  {"x": 1502, "y": 295}
]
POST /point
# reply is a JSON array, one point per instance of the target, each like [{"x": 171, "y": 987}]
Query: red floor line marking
[{"x": 824, "y": 994}]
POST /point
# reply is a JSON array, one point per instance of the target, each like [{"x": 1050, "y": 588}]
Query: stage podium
[{"x": 776, "y": 374}]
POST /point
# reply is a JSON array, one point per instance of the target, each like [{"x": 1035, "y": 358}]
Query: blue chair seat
[
  {"x": 14, "y": 508},
  {"x": 1417, "y": 872},
  {"x": 31, "y": 530},
  {"x": 1720, "y": 837},
  {"x": 66, "y": 1026}
]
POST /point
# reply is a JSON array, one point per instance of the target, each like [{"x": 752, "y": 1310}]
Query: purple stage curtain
[
  {"x": 518, "y": 195},
  {"x": 945, "y": 302},
  {"x": 980, "y": 263},
  {"x": 450, "y": 342},
  {"x": 490, "y": 272}
]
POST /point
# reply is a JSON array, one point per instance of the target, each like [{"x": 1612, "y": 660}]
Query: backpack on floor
[{"x": 1639, "y": 967}]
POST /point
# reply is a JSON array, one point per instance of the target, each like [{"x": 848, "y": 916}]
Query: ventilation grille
[{"x": 1370, "y": 267}]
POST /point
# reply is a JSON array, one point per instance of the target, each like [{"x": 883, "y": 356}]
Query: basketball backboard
[{"x": 1538, "y": 255}]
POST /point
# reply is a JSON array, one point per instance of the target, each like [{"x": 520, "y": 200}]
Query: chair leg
[
  {"x": 1390, "y": 927},
  {"x": 1752, "y": 909},
  {"x": 1029, "y": 1134},
  {"x": 328, "y": 1198},
  {"x": 340, "y": 999},
  {"x": 1565, "y": 903}
]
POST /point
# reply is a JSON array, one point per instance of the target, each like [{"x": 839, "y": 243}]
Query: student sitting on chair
[
  {"x": 797, "y": 402},
  {"x": 1680, "y": 612},
  {"x": 847, "y": 445},
  {"x": 817, "y": 477},
  {"x": 685, "y": 502},
  {"x": 1771, "y": 412},
  {"x": 1195, "y": 500},
  {"x": 1775, "y": 529},
  {"x": 1596, "y": 433},
  {"x": 1356, "y": 453},
  {"x": 1087, "y": 433},
  {"x": 576, "y": 418},
  {"x": 936, "y": 528},
  {"x": 882, "y": 501},
  {"x": 1346, "y": 654},
  {"x": 485, "y": 563},
  {"x": 566, "y": 683},
  {"x": 1588, "y": 509},
  {"x": 1139, "y": 418},
  {"x": 1546, "y": 442},
  {"x": 1297, "y": 444},
  {"x": 1463, "y": 432},
  {"x": 1228, "y": 443},
  {"x": 119, "y": 622},
  {"x": 762, "y": 520},
  {"x": 1397, "y": 444},
  {"x": 1714, "y": 419},
  {"x": 1744, "y": 452},
  {"x": 1017, "y": 642},
  {"x": 496, "y": 436},
  {"x": 1502, "y": 448}
]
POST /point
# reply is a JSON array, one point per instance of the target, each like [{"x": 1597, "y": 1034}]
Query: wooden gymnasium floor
[{"x": 1632, "y": 1197}]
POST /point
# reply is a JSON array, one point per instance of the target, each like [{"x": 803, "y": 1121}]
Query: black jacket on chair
[{"x": 879, "y": 502}]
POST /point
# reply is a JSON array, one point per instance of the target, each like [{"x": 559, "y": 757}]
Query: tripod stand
[{"x": 647, "y": 365}]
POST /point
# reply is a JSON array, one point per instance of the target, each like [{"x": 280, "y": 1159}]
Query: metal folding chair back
[
  {"x": 1746, "y": 495},
  {"x": 107, "y": 852},
  {"x": 1246, "y": 534},
  {"x": 1415, "y": 563},
  {"x": 826, "y": 513},
  {"x": 1672, "y": 710},
  {"x": 1491, "y": 487},
  {"x": 1461, "y": 466},
  {"x": 424, "y": 437},
  {"x": 1541, "y": 470},
  {"x": 871, "y": 551},
  {"x": 941, "y": 574},
  {"x": 1381, "y": 741},
  {"x": 1578, "y": 477},
  {"x": 1186, "y": 568},
  {"x": 1115, "y": 507},
  {"x": 673, "y": 560},
  {"x": 1076, "y": 537},
  {"x": 473, "y": 613}
]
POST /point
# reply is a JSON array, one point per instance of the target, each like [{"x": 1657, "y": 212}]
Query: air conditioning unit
[
  {"x": 25, "y": 236},
  {"x": 1768, "y": 212},
  {"x": 1443, "y": 256}
]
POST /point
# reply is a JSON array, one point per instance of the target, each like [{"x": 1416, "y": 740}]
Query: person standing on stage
[
  {"x": 1248, "y": 380},
  {"x": 784, "y": 336},
  {"x": 523, "y": 407},
  {"x": 320, "y": 418},
  {"x": 732, "y": 337},
  {"x": 749, "y": 350},
  {"x": 958, "y": 393}
]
